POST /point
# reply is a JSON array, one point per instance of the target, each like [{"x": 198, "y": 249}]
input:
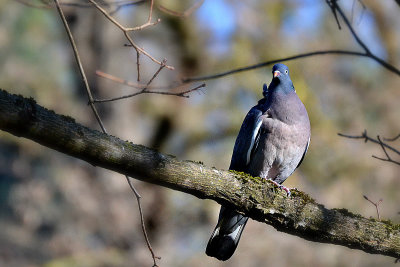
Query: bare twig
[
  {"x": 91, "y": 103},
  {"x": 179, "y": 94},
  {"x": 138, "y": 65},
  {"x": 269, "y": 62},
  {"x": 155, "y": 74},
  {"x": 119, "y": 80},
  {"x": 183, "y": 14},
  {"x": 392, "y": 139},
  {"x": 366, "y": 138},
  {"x": 129, "y": 83},
  {"x": 335, "y": 9},
  {"x": 126, "y": 30},
  {"x": 388, "y": 158},
  {"x": 145, "y": 87},
  {"x": 383, "y": 145},
  {"x": 331, "y": 4},
  {"x": 79, "y": 63},
  {"x": 116, "y": 79},
  {"x": 376, "y": 204},
  {"x": 138, "y": 198}
]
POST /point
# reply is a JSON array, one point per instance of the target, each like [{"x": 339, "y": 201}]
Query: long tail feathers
[{"x": 226, "y": 235}]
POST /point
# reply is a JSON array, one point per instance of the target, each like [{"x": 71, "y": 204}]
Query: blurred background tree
[{"x": 59, "y": 211}]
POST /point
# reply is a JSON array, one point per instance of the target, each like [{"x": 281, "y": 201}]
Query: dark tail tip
[{"x": 221, "y": 247}]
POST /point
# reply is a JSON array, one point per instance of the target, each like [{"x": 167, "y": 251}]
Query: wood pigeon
[{"x": 271, "y": 144}]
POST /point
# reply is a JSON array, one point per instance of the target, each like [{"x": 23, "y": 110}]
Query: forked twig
[
  {"x": 376, "y": 204},
  {"x": 78, "y": 61},
  {"x": 144, "y": 87},
  {"x": 331, "y": 4},
  {"x": 383, "y": 145},
  {"x": 126, "y": 30},
  {"x": 388, "y": 158}
]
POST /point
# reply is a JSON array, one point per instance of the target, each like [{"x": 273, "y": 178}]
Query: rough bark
[{"x": 298, "y": 214}]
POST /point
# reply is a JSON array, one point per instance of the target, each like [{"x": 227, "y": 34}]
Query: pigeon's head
[
  {"x": 280, "y": 71},
  {"x": 281, "y": 79}
]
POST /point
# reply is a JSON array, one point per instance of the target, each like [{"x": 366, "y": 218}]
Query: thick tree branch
[{"x": 299, "y": 215}]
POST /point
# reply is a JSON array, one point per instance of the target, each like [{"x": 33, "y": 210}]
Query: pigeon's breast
[{"x": 280, "y": 149}]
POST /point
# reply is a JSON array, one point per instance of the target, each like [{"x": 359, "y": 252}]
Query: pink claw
[{"x": 281, "y": 187}]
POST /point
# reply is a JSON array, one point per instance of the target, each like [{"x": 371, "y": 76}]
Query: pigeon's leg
[{"x": 286, "y": 189}]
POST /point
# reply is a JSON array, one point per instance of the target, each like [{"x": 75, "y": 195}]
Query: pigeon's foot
[{"x": 286, "y": 189}]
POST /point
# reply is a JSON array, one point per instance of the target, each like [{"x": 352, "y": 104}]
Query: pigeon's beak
[{"x": 277, "y": 73}]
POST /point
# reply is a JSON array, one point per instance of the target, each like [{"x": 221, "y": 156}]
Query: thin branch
[
  {"x": 331, "y": 4},
  {"x": 392, "y": 139},
  {"x": 126, "y": 31},
  {"x": 138, "y": 65},
  {"x": 139, "y": 202},
  {"x": 383, "y": 145},
  {"x": 119, "y": 80},
  {"x": 116, "y": 79},
  {"x": 269, "y": 62},
  {"x": 129, "y": 83},
  {"x": 143, "y": 91},
  {"x": 376, "y": 204},
  {"x": 79, "y": 63},
  {"x": 155, "y": 74},
  {"x": 183, "y": 14},
  {"x": 388, "y": 158},
  {"x": 335, "y": 7},
  {"x": 365, "y": 136},
  {"x": 179, "y": 94}
]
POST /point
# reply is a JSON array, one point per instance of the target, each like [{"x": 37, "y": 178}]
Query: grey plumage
[{"x": 271, "y": 144}]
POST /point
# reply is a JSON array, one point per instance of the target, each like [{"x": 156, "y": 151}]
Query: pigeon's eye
[{"x": 286, "y": 71}]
